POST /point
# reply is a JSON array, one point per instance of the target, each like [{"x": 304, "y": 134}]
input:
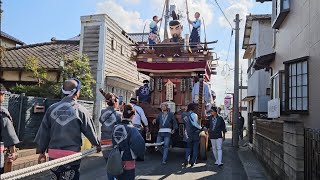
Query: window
[
  {"x": 122, "y": 50},
  {"x": 113, "y": 44},
  {"x": 280, "y": 10},
  {"x": 298, "y": 86},
  {"x": 278, "y": 88}
]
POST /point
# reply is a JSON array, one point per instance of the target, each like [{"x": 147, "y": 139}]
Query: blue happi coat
[{"x": 131, "y": 144}]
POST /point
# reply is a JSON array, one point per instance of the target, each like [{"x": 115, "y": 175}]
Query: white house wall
[
  {"x": 265, "y": 38},
  {"x": 298, "y": 36},
  {"x": 261, "y": 35}
]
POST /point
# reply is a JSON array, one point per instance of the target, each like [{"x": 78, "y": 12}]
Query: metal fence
[
  {"x": 25, "y": 120},
  {"x": 311, "y": 154}
]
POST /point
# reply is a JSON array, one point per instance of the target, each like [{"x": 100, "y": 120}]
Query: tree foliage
[
  {"x": 76, "y": 66},
  {"x": 39, "y": 73}
]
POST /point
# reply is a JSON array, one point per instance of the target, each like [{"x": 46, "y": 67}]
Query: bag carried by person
[{"x": 114, "y": 164}]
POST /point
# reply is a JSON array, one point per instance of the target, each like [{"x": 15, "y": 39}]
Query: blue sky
[{"x": 39, "y": 20}]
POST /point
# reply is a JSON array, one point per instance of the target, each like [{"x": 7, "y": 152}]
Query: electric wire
[{"x": 223, "y": 14}]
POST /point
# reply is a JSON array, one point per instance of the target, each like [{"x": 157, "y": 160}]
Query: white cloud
[
  {"x": 130, "y": 21},
  {"x": 241, "y": 7},
  {"x": 132, "y": 1}
]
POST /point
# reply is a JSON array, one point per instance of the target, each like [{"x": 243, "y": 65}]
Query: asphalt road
[{"x": 94, "y": 167}]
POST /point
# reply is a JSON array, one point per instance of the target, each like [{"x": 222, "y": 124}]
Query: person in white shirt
[
  {"x": 207, "y": 96},
  {"x": 139, "y": 117}
]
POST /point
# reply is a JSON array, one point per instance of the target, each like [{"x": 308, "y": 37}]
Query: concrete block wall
[
  {"x": 293, "y": 146},
  {"x": 271, "y": 154}
]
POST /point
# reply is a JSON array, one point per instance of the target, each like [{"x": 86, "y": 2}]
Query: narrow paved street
[
  {"x": 151, "y": 168},
  {"x": 238, "y": 165}
]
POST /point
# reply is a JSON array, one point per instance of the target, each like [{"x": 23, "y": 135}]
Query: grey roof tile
[
  {"x": 46, "y": 53},
  {"x": 5, "y": 35}
]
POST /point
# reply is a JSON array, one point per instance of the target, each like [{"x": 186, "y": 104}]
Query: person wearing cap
[
  {"x": 61, "y": 130},
  {"x": 8, "y": 136},
  {"x": 191, "y": 135},
  {"x": 144, "y": 92},
  {"x": 217, "y": 131},
  {"x": 108, "y": 119},
  {"x": 139, "y": 116},
  {"x": 130, "y": 142},
  {"x": 167, "y": 125}
]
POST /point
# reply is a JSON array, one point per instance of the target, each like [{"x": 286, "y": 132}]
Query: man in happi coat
[
  {"x": 61, "y": 128},
  {"x": 167, "y": 126},
  {"x": 8, "y": 136}
]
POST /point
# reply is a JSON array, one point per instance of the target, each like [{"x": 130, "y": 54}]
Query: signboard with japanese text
[{"x": 274, "y": 108}]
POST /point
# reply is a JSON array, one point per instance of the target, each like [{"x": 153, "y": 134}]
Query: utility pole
[
  {"x": 240, "y": 103},
  {"x": 166, "y": 20},
  {"x": 235, "y": 134}
]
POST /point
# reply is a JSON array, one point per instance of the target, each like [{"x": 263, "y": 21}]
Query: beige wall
[
  {"x": 7, "y": 43},
  {"x": 298, "y": 36},
  {"x": 26, "y": 76}
]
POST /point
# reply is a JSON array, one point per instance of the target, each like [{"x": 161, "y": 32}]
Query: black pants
[
  {"x": 127, "y": 175},
  {"x": 66, "y": 172}
]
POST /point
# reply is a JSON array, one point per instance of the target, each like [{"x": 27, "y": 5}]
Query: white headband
[{"x": 69, "y": 93}]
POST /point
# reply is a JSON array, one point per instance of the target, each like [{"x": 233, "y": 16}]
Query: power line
[
  {"x": 223, "y": 13},
  {"x": 229, "y": 45}
]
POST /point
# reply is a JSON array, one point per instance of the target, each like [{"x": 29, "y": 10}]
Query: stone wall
[
  {"x": 293, "y": 146},
  {"x": 283, "y": 156},
  {"x": 268, "y": 149}
]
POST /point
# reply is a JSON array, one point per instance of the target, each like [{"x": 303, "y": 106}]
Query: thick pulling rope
[
  {"x": 25, "y": 172},
  {"x": 39, "y": 168}
]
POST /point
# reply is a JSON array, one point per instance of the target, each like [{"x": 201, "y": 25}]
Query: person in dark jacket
[
  {"x": 167, "y": 125},
  {"x": 241, "y": 124},
  {"x": 144, "y": 92},
  {"x": 8, "y": 136},
  {"x": 191, "y": 135},
  {"x": 130, "y": 142},
  {"x": 217, "y": 131},
  {"x": 108, "y": 119}
]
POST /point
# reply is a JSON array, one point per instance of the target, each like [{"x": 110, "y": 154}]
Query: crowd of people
[{"x": 60, "y": 132}]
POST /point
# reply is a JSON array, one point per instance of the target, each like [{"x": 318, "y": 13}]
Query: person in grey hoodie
[
  {"x": 108, "y": 119},
  {"x": 167, "y": 125},
  {"x": 61, "y": 128}
]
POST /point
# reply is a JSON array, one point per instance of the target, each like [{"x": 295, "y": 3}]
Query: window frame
[
  {"x": 287, "y": 80},
  {"x": 281, "y": 91},
  {"x": 278, "y": 18}
]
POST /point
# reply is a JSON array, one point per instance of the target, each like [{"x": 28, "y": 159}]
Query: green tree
[
  {"x": 39, "y": 73},
  {"x": 78, "y": 66}
]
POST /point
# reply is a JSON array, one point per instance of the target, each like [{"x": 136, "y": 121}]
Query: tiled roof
[
  {"x": 47, "y": 53},
  {"x": 7, "y": 36},
  {"x": 75, "y": 38},
  {"x": 139, "y": 37}
]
